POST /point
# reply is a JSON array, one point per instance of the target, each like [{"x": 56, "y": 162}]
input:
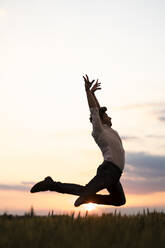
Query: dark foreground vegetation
[{"x": 145, "y": 230}]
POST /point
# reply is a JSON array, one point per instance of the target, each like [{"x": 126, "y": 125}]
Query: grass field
[{"x": 146, "y": 230}]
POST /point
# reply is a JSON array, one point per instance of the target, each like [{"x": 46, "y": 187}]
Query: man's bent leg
[
  {"x": 116, "y": 197},
  {"x": 117, "y": 194},
  {"x": 89, "y": 192}
]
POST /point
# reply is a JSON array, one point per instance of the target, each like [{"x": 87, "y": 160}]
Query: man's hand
[
  {"x": 95, "y": 87},
  {"x": 92, "y": 100},
  {"x": 88, "y": 84}
]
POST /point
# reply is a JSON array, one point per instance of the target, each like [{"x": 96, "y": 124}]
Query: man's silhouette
[{"x": 109, "y": 172}]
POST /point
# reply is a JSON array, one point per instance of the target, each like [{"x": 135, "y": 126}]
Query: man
[{"x": 109, "y": 172}]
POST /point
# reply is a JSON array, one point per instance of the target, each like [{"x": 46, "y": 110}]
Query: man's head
[{"x": 104, "y": 117}]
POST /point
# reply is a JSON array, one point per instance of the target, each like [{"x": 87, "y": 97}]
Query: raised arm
[
  {"x": 90, "y": 97},
  {"x": 93, "y": 104},
  {"x": 95, "y": 87}
]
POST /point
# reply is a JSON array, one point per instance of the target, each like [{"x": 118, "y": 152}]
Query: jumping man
[{"x": 109, "y": 172}]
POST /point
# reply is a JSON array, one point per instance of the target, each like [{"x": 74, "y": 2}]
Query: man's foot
[
  {"x": 43, "y": 185},
  {"x": 81, "y": 200}
]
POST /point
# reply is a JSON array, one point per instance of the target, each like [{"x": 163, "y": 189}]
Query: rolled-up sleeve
[{"x": 96, "y": 122}]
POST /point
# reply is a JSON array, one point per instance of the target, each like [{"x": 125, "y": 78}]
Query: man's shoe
[
  {"x": 43, "y": 185},
  {"x": 81, "y": 200}
]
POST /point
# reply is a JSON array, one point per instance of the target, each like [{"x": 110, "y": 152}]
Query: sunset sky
[{"x": 46, "y": 47}]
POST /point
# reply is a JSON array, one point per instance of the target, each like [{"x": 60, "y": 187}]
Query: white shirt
[{"x": 108, "y": 140}]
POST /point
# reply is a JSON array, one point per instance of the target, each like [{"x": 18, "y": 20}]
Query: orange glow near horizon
[
  {"x": 45, "y": 202},
  {"x": 89, "y": 206}
]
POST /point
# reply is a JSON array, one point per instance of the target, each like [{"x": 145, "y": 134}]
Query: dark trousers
[{"x": 107, "y": 177}]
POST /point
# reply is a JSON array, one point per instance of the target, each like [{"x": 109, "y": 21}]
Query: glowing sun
[{"x": 89, "y": 206}]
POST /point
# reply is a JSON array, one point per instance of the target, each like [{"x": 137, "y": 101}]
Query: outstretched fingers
[
  {"x": 87, "y": 77},
  {"x": 84, "y": 78},
  {"x": 88, "y": 84},
  {"x": 96, "y": 86}
]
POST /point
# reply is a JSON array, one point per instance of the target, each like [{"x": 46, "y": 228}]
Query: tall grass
[{"x": 64, "y": 231}]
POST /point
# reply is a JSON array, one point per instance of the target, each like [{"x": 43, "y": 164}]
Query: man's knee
[{"x": 120, "y": 202}]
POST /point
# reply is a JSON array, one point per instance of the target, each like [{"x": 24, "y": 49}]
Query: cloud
[
  {"x": 155, "y": 136},
  {"x": 28, "y": 183},
  {"x": 143, "y": 105},
  {"x": 24, "y": 186},
  {"x": 129, "y": 137},
  {"x": 144, "y": 187},
  {"x": 161, "y": 115},
  {"x": 162, "y": 118},
  {"x": 145, "y": 164},
  {"x": 157, "y": 109},
  {"x": 15, "y": 187},
  {"x": 144, "y": 173}
]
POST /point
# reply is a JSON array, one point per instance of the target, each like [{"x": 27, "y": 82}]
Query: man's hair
[{"x": 102, "y": 111}]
